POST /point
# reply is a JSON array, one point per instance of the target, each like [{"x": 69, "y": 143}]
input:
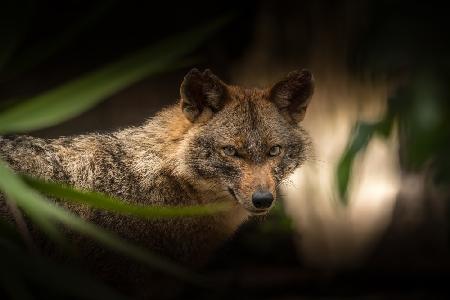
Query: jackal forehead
[{"x": 250, "y": 123}]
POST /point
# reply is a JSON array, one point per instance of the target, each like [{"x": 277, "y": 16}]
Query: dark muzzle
[{"x": 262, "y": 199}]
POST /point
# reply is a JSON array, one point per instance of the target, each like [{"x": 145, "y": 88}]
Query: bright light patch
[{"x": 332, "y": 235}]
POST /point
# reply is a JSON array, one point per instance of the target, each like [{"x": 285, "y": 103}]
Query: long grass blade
[
  {"x": 104, "y": 202},
  {"x": 33, "y": 203},
  {"x": 73, "y": 98}
]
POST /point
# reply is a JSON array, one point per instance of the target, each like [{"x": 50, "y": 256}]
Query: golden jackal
[{"x": 219, "y": 143}]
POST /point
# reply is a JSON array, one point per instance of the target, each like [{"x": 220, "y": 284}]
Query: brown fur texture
[{"x": 178, "y": 158}]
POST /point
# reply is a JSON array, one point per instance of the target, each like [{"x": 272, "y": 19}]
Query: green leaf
[
  {"x": 35, "y": 204},
  {"x": 73, "y": 98},
  {"x": 104, "y": 202},
  {"x": 361, "y": 135}
]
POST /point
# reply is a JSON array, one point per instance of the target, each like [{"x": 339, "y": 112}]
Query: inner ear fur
[
  {"x": 201, "y": 91},
  {"x": 293, "y": 93}
]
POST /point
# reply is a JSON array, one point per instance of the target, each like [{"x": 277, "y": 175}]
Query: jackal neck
[{"x": 157, "y": 146}]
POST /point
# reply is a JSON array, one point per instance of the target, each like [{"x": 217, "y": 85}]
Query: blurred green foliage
[
  {"x": 407, "y": 44},
  {"x": 107, "y": 203},
  {"x": 362, "y": 134}
]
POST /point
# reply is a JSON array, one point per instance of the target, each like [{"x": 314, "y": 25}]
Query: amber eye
[
  {"x": 275, "y": 151},
  {"x": 229, "y": 151}
]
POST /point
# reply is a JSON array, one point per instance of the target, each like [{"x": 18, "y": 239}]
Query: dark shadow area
[{"x": 395, "y": 40}]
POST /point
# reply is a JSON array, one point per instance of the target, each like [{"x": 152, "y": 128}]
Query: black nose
[{"x": 262, "y": 199}]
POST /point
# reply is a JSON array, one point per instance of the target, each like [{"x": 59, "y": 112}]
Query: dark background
[
  {"x": 374, "y": 37},
  {"x": 119, "y": 28}
]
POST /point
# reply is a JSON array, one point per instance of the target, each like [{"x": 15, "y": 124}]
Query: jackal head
[{"x": 246, "y": 140}]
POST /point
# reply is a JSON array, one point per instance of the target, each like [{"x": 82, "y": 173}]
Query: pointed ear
[
  {"x": 202, "y": 93},
  {"x": 292, "y": 94}
]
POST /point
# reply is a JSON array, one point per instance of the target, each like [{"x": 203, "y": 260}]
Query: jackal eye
[
  {"x": 275, "y": 150},
  {"x": 229, "y": 151}
]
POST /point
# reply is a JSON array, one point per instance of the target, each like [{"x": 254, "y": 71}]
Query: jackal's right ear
[
  {"x": 292, "y": 94},
  {"x": 202, "y": 93}
]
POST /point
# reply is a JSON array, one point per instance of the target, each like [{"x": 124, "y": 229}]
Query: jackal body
[{"x": 220, "y": 143}]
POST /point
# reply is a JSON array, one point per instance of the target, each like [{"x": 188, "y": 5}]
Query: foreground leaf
[
  {"x": 71, "y": 99},
  {"x": 36, "y": 206},
  {"x": 104, "y": 202}
]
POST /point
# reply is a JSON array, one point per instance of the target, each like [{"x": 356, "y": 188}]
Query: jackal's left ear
[
  {"x": 293, "y": 94},
  {"x": 202, "y": 93}
]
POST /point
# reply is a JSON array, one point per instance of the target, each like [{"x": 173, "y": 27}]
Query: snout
[
  {"x": 256, "y": 189},
  {"x": 262, "y": 199}
]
